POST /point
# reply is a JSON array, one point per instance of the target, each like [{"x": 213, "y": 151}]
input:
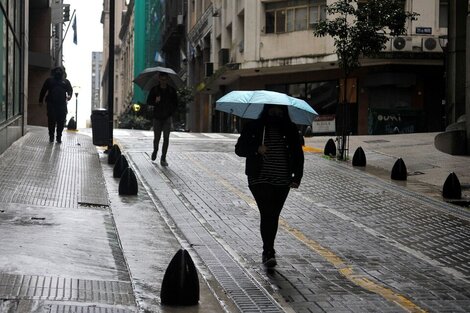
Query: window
[
  {"x": 289, "y": 16},
  {"x": 280, "y": 21},
  {"x": 443, "y": 13},
  {"x": 300, "y": 19},
  {"x": 270, "y": 20}
]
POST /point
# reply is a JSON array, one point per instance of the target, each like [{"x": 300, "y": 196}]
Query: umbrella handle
[{"x": 264, "y": 131}]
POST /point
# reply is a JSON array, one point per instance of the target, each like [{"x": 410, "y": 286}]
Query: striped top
[{"x": 275, "y": 165}]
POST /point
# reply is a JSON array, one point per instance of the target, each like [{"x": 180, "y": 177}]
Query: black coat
[
  {"x": 56, "y": 92},
  {"x": 251, "y": 138},
  {"x": 168, "y": 102}
]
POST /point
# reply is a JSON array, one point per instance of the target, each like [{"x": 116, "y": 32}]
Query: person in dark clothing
[
  {"x": 274, "y": 164},
  {"x": 164, "y": 100},
  {"x": 57, "y": 90}
]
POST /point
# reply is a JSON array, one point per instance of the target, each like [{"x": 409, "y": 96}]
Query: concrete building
[
  {"x": 456, "y": 138},
  {"x": 138, "y": 25},
  {"x": 246, "y": 44},
  {"x": 125, "y": 62},
  {"x": 47, "y": 19},
  {"x": 120, "y": 8}
]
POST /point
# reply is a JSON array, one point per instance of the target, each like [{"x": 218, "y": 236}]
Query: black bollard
[
  {"x": 114, "y": 154},
  {"x": 120, "y": 166},
  {"x": 452, "y": 188},
  {"x": 128, "y": 183},
  {"x": 330, "y": 148},
  {"x": 180, "y": 284},
  {"x": 359, "y": 158},
  {"x": 399, "y": 170},
  {"x": 72, "y": 124}
]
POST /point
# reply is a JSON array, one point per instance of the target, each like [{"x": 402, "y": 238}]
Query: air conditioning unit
[
  {"x": 431, "y": 44},
  {"x": 402, "y": 44},
  {"x": 209, "y": 69},
  {"x": 388, "y": 46}
]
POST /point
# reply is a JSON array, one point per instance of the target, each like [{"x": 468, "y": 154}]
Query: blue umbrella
[{"x": 250, "y": 104}]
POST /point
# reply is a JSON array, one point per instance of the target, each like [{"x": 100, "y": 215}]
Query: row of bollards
[
  {"x": 128, "y": 181},
  {"x": 180, "y": 285},
  {"x": 450, "y": 190}
]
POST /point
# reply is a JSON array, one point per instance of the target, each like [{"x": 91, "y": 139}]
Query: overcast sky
[{"x": 77, "y": 58}]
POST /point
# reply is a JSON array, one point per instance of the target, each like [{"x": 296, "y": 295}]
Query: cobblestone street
[{"x": 348, "y": 241}]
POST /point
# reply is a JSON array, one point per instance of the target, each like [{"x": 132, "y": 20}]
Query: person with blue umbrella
[{"x": 274, "y": 163}]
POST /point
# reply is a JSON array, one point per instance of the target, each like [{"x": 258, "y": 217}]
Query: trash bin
[{"x": 99, "y": 127}]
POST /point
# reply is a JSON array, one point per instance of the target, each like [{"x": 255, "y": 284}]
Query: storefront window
[
  {"x": 3, "y": 56},
  {"x": 297, "y": 90},
  {"x": 17, "y": 83},
  {"x": 10, "y": 83}
]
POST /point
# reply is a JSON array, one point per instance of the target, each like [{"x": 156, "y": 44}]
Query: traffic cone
[
  {"x": 399, "y": 170},
  {"x": 120, "y": 166},
  {"x": 452, "y": 188},
  {"x": 114, "y": 154},
  {"x": 359, "y": 158},
  {"x": 180, "y": 284},
  {"x": 128, "y": 183},
  {"x": 330, "y": 148}
]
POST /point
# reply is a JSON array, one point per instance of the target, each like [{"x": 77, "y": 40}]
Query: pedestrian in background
[
  {"x": 274, "y": 164},
  {"x": 57, "y": 90},
  {"x": 164, "y": 100}
]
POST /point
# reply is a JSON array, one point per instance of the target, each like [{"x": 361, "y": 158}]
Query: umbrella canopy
[
  {"x": 250, "y": 104},
  {"x": 149, "y": 77}
]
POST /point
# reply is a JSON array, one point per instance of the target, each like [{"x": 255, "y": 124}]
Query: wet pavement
[{"x": 350, "y": 239}]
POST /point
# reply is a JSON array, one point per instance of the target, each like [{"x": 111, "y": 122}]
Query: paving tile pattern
[
  {"x": 37, "y": 173},
  {"x": 413, "y": 246}
]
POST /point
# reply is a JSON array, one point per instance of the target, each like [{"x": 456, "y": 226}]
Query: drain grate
[
  {"x": 376, "y": 141},
  {"x": 85, "y": 309},
  {"x": 65, "y": 289}
]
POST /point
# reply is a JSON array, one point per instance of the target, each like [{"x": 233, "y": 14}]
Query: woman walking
[{"x": 274, "y": 164}]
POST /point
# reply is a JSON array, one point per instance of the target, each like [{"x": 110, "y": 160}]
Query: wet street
[{"x": 348, "y": 241}]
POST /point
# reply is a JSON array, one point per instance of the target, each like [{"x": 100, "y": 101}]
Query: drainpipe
[{"x": 112, "y": 10}]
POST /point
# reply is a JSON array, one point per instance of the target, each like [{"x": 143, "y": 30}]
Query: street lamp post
[{"x": 76, "y": 90}]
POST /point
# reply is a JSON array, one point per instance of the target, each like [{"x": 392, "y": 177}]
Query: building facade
[
  {"x": 47, "y": 19},
  {"x": 245, "y": 44}
]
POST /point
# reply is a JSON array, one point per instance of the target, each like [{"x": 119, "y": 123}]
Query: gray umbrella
[{"x": 149, "y": 77}]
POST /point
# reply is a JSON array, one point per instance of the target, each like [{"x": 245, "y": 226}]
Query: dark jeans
[
  {"x": 55, "y": 119},
  {"x": 160, "y": 126},
  {"x": 270, "y": 200}
]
